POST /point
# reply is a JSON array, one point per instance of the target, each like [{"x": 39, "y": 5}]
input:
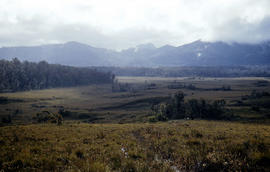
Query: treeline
[
  {"x": 191, "y": 71},
  {"x": 178, "y": 108},
  {"x": 17, "y": 76}
]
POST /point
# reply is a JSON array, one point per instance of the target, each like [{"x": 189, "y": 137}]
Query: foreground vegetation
[{"x": 171, "y": 146}]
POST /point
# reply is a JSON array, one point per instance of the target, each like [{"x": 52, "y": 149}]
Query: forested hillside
[{"x": 16, "y": 75}]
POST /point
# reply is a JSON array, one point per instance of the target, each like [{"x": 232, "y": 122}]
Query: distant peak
[
  {"x": 167, "y": 46},
  {"x": 146, "y": 46},
  {"x": 73, "y": 43},
  {"x": 199, "y": 41}
]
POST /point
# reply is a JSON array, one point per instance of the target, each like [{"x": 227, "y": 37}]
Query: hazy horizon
[{"x": 119, "y": 50}]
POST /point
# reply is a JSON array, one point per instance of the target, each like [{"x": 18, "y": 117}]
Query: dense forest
[
  {"x": 17, "y": 76},
  {"x": 191, "y": 71}
]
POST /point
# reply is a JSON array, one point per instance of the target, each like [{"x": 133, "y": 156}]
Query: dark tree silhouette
[{"x": 18, "y": 76}]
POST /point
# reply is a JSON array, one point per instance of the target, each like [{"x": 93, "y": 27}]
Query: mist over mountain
[{"x": 197, "y": 53}]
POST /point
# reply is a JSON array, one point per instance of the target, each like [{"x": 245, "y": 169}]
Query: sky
[{"x": 120, "y": 24}]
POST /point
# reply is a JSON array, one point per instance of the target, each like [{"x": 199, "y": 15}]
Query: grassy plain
[
  {"x": 97, "y": 103},
  {"x": 124, "y": 140}
]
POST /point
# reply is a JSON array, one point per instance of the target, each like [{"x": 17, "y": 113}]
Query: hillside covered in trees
[{"x": 17, "y": 76}]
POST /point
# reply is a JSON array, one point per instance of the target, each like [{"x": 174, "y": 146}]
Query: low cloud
[{"x": 121, "y": 24}]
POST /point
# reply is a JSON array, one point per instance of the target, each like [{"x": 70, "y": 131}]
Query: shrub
[
  {"x": 176, "y": 108},
  {"x": 79, "y": 154},
  {"x": 3, "y": 100},
  {"x": 160, "y": 113},
  {"x": 7, "y": 119},
  {"x": 255, "y": 108},
  {"x": 64, "y": 113},
  {"x": 130, "y": 166},
  {"x": 116, "y": 161},
  {"x": 152, "y": 119},
  {"x": 46, "y": 116}
]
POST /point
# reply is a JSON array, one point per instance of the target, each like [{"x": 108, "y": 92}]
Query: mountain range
[{"x": 198, "y": 53}]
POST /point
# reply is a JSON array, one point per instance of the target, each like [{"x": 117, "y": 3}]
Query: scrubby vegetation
[
  {"x": 18, "y": 76},
  {"x": 46, "y": 116},
  {"x": 256, "y": 95},
  {"x": 177, "y": 108},
  {"x": 174, "y": 146}
]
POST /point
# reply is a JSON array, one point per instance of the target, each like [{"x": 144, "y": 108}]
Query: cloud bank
[{"x": 121, "y": 24}]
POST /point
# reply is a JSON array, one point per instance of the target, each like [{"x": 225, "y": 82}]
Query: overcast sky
[{"x": 119, "y": 24}]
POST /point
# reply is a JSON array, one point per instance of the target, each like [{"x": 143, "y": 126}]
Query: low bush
[
  {"x": 6, "y": 119},
  {"x": 177, "y": 108},
  {"x": 65, "y": 113},
  {"x": 46, "y": 116}
]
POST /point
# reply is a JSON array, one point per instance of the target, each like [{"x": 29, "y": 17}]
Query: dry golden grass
[{"x": 176, "y": 145}]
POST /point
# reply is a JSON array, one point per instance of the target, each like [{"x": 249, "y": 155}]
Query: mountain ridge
[{"x": 197, "y": 53}]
